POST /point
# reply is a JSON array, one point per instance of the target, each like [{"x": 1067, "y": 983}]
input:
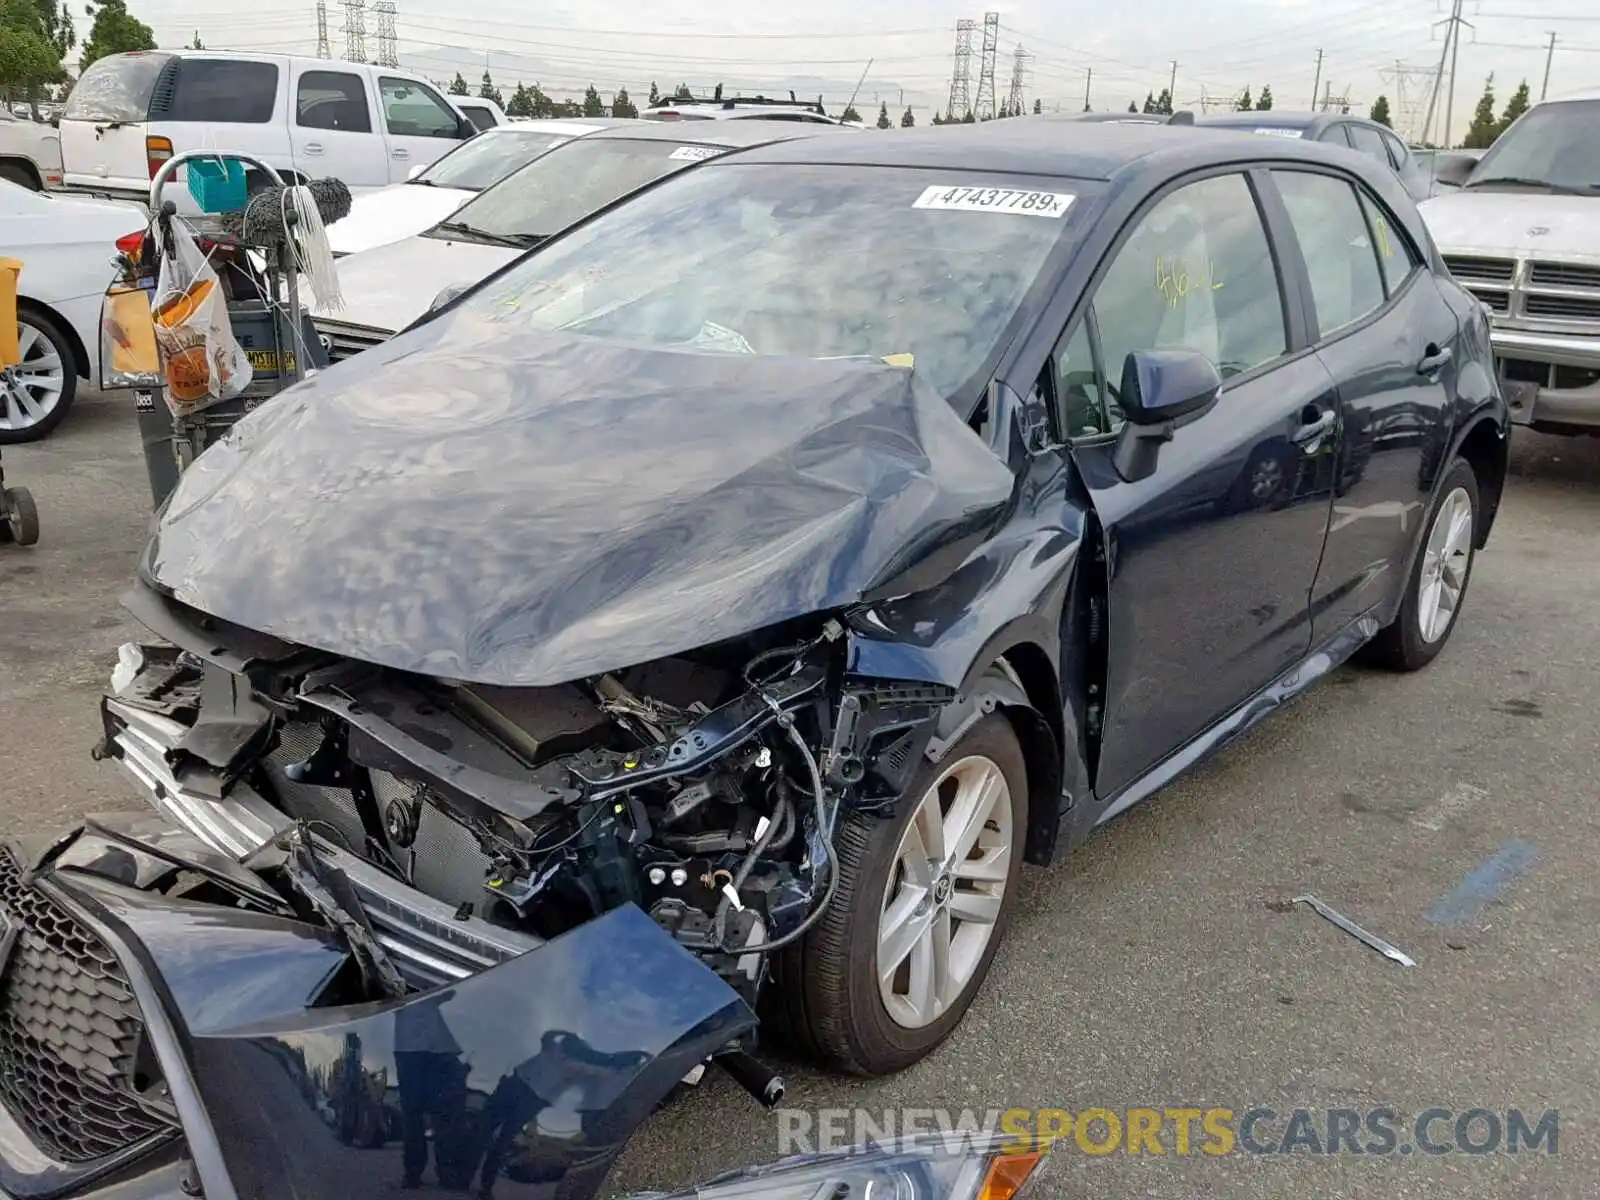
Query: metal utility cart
[{"x": 268, "y": 322}]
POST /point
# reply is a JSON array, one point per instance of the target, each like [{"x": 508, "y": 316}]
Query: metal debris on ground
[{"x": 1355, "y": 931}]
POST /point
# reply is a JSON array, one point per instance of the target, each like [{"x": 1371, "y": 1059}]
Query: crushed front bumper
[
  {"x": 522, "y": 1081},
  {"x": 1550, "y": 380}
]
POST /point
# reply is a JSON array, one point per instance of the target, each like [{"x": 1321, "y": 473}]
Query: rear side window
[
  {"x": 479, "y": 116},
  {"x": 1395, "y": 257},
  {"x": 1340, "y": 259},
  {"x": 412, "y": 110},
  {"x": 218, "y": 91},
  {"x": 1369, "y": 141},
  {"x": 332, "y": 100},
  {"x": 1335, "y": 135},
  {"x": 116, "y": 88}
]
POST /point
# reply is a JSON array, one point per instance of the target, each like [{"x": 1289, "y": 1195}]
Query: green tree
[
  {"x": 1264, "y": 101},
  {"x": 883, "y": 115},
  {"x": 1380, "y": 112},
  {"x": 1485, "y": 125},
  {"x": 593, "y": 106},
  {"x": 970, "y": 119},
  {"x": 1515, "y": 107},
  {"x": 850, "y": 114},
  {"x": 1245, "y": 103},
  {"x": 906, "y": 119},
  {"x": 1133, "y": 106},
  {"x": 1149, "y": 102},
  {"x": 1164, "y": 102},
  {"x": 1038, "y": 106},
  {"x": 655, "y": 95},
  {"x": 520, "y": 104},
  {"x": 27, "y": 62},
  {"x": 197, "y": 44},
  {"x": 114, "y": 31},
  {"x": 458, "y": 85},
  {"x": 717, "y": 94},
  {"x": 488, "y": 91},
  {"x": 622, "y": 105}
]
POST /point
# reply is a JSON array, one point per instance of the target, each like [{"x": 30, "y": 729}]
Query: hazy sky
[{"x": 1221, "y": 46}]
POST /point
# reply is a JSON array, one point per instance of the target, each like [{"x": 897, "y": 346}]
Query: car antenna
[{"x": 859, "y": 82}]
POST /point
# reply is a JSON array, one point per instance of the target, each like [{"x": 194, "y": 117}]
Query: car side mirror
[
  {"x": 445, "y": 297},
  {"x": 416, "y": 170},
  {"x": 1453, "y": 168},
  {"x": 1161, "y": 390}
]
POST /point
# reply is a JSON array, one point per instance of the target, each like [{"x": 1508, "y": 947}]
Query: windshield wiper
[
  {"x": 1526, "y": 181},
  {"x": 513, "y": 240},
  {"x": 423, "y": 182}
]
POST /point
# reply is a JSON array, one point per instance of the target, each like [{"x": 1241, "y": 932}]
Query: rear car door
[
  {"x": 1210, "y": 559},
  {"x": 419, "y": 123},
  {"x": 1385, "y": 334},
  {"x": 332, "y": 129}
]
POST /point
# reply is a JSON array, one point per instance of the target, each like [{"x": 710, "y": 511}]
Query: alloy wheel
[
  {"x": 945, "y": 892},
  {"x": 30, "y": 391},
  {"x": 1446, "y": 558}
]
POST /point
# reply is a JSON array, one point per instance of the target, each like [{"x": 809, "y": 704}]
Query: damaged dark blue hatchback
[{"x": 706, "y": 615}]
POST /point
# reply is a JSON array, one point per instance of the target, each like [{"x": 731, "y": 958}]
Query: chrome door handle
[
  {"x": 400, "y": 152},
  {"x": 1435, "y": 358},
  {"x": 312, "y": 147}
]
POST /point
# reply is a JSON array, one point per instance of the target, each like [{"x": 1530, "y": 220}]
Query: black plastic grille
[{"x": 70, "y": 1032}]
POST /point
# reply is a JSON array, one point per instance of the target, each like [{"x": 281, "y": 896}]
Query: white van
[{"x": 313, "y": 117}]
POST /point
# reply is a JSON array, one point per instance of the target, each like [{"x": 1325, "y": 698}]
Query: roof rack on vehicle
[{"x": 728, "y": 102}]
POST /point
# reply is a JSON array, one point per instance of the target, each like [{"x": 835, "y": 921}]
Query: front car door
[
  {"x": 1210, "y": 559},
  {"x": 420, "y": 124},
  {"x": 332, "y": 128},
  {"x": 1386, "y": 336}
]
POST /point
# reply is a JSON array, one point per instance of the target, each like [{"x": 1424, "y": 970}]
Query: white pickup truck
[
  {"x": 1522, "y": 233},
  {"x": 307, "y": 117},
  {"x": 30, "y": 153}
]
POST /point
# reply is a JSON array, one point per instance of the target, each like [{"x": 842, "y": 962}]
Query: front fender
[{"x": 526, "y": 1079}]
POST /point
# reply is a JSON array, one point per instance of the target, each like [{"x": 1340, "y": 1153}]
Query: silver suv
[{"x": 739, "y": 108}]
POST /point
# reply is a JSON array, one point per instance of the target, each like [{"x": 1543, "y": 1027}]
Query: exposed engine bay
[{"x": 440, "y": 827}]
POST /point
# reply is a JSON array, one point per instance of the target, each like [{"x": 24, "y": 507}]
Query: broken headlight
[{"x": 934, "y": 1168}]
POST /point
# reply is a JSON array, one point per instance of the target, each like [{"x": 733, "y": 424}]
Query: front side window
[
  {"x": 412, "y": 110},
  {"x": 1340, "y": 258},
  {"x": 1196, "y": 273},
  {"x": 930, "y": 270},
  {"x": 1081, "y": 405},
  {"x": 1552, "y": 145},
  {"x": 222, "y": 91},
  {"x": 332, "y": 100}
]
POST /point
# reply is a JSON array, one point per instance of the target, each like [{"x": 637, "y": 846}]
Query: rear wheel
[
  {"x": 923, "y": 902},
  {"x": 21, "y": 176},
  {"x": 36, "y": 394},
  {"x": 1439, "y": 577}
]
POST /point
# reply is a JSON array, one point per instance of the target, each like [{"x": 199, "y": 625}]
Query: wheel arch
[
  {"x": 28, "y": 166},
  {"x": 80, "y": 352},
  {"x": 1486, "y": 447}
]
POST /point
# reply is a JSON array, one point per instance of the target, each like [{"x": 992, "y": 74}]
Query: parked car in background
[
  {"x": 308, "y": 118},
  {"x": 30, "y": 153},
  {"x": 386, "y": 288},
  {"x": 1522, "y": 233},
  {"x": 66, "y": 245},
  {"x": 742, "y": 108},
  {"x": 1181, "y": 117},
  {"x": 481, "y": 111},
  {"x": 709, "y": 614},
  {"x": 435, "y": 191},
  {"x": 1338, "y": 129}
]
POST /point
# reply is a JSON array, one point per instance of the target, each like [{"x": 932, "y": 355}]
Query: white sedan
[
  {"x": 66, "y": 248},
  {"x": 435, "y": 191}
]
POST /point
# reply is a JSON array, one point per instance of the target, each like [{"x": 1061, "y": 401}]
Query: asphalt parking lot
[{"x": 1453, "y": 812}]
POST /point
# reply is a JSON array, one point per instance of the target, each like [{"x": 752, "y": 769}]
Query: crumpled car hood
[{"x": 504, "y": 507}]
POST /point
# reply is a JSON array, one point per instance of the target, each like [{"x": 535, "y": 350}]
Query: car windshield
[
  {"x": 570, "y": 182},
  {"x": 486, "y": 160},
  {"x": 1555, "y": 144},
  {"x": 927, "y": 269}
]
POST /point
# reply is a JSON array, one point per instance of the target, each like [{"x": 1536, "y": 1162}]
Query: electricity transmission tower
[
  {"x": 355, "y": 30},
  {"x": 961, "y": 77},
  {"x": 1019, "y": 74},
  {"x": 1410, "y": 88},
  {"x": 991, "y": 41},
  {"x": 388, "y": 49},
  {"x": 322, "y": 30}
]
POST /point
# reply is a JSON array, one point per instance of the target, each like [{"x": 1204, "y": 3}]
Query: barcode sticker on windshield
[
  {"x": 1006, "y": 200},
  {"x": 695, "y": 152},
  {"x": 1279, "y": 131}
]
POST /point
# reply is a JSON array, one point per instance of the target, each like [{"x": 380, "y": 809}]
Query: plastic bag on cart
[
  {"x": 202, "y": 361},
  {"x": 129, "y": 357}
]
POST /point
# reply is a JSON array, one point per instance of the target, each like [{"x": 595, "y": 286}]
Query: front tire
[
  {"x": 36, "y": 394},
  {"x": 923, "y": 902},
  {"x": 1439, "y": 578}
]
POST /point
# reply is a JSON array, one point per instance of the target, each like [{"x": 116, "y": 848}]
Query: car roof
[
  {"x": 1040, "y": 145},
  {"x": 1274, "y": 118},
  {"x": 716, "y": 133},
  {"x": 572, "y": 125}
]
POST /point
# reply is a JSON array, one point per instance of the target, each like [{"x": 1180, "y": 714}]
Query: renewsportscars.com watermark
[{"x": 1184, "y": 1132}]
